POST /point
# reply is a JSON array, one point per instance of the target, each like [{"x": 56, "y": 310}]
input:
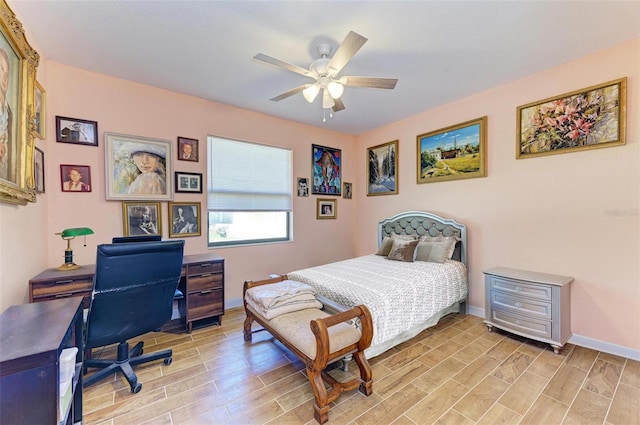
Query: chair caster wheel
[
  {"x": 168, "y": 360},
  {"x": 136, "y": 388}
]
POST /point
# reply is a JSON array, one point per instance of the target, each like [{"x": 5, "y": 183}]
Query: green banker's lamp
[{"x": 68, "y": 234}]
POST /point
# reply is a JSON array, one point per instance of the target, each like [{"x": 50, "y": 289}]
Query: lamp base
[{"x": 68, "y": 266}]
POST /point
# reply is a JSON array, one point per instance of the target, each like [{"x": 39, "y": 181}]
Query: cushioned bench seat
[{"x": 318, "y": 339}]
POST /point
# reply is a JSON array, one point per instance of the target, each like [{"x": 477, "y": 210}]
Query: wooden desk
[
  {"x": 33, "y": 336},
  {"x": 202, "y": 283}
]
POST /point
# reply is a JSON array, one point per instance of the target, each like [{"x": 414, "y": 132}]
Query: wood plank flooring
[{"x": 454, "y": 373}]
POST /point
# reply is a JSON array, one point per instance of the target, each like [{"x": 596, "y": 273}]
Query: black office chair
[
  {"x": 145, "y": 238},
  {"x": 133, "y": 291}
]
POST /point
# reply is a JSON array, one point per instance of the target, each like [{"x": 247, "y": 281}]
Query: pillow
[
  {"x": 404, "y": 237},
  {"x": 438, "y": 248},
  {"x": 385, "y": 246},
  {"x": 402, "y": 250}
]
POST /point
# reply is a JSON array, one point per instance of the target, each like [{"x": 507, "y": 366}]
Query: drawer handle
[
  {"x": 518, "y": 305},
  {"x": 206, "y": 275},
  {"x": 59, "y": 282},
  {"x": 206, "y": 292},
  {"x": 205, "y": 265},
  {"x": 64, "y": 295}
]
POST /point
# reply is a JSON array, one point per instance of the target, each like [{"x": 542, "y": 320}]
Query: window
[{"x": 249, "y": 192}]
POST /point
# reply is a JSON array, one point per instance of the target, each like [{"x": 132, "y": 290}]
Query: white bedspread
[{"x": 401, "y": 296}]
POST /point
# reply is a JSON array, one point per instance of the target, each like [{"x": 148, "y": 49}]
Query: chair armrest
[{"x": 319, "y": 327}]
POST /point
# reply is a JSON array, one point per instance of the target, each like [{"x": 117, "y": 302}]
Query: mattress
[{"x": 404, "y": 297}]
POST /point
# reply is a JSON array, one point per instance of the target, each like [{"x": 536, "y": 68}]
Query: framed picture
[
  {"x": 187, "y": 149},
  {"x": 75, "y": 130},
  {"x": 38, "y": 170},
  {"x": 326, "y": 208},
  {"x": 382, "y": 169},
  {"x": 40, "y": 102},
  {"x": 346, "y": 190},
  {"x": 326, "y": 164},
  {"x": 303, "y": 186},
  {"x": 141, "y": 218},
  {"x": 136, "y": 168},
  {"x": 75, "y": 178},
  {"x": 452, "y": 153},
  {"x": 188, "y": 182},
  {"x": 18, "y": 62},
  {"x": 589, "y": 118},
  {"x": 184, "y": 219}
]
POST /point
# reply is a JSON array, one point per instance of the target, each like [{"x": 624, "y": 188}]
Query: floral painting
[{"x": 584, "y": 119}]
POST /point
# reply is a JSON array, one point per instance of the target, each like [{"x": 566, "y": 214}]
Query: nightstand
[{"x": 530, "y": 304}]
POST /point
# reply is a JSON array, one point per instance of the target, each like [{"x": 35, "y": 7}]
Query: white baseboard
[
  {"x": 233, "y": 303},
  {"x": 585, "y": 341}
]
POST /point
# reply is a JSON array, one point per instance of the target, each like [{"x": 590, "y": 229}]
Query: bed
[{"x": 405, "y": 297}]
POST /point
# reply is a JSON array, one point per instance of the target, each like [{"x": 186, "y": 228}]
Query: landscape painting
[
  {"x": 452, "y": 153},
  {"x": 382, "y": 169}
]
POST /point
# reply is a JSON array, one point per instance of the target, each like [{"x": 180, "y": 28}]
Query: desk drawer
[
  {"x": 204, "y": 282},
  {"x": 205, "y": 304},
  {"x": 203, "y": 268},
  {"x": 516, "y": 287},
  {"x": 52, "y": 290},
  {"x": 521, "y": 305}
]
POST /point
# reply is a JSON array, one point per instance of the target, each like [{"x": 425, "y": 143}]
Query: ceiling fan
[{"x": 325, "y": 72}]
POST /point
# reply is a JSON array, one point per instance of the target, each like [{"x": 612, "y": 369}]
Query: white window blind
[{"x": 246, "y": 176}]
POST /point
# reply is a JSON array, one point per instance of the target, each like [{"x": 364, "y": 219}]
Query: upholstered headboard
[{"x": 418, "y": 223}]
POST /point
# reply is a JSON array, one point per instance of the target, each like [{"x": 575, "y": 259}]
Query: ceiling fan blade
[
  {"x": 373, "y": 82},
  {"x": 290, "y": 92},
  {"x": 283, "y": 65},
  {"x": 351, "y": 44},
  {"x": 339, "y": 106}
]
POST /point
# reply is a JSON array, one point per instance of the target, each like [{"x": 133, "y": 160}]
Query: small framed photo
[
  {"x": 141, "y": 218},
  {"x": 326, "y": 208},
  {"x": 184, "y": 219},
  {"x": 74, "y": 130},
  {"x": 188, "y": 182},
  {"x": 38, "y": 170},
  {"x": 187, "y": 149},
  {"x": 75, "y": 178},
  {"x": 39, "y": 97},
  {"x": 303, "y": 186},
  {"x": 346, "y": 190}
]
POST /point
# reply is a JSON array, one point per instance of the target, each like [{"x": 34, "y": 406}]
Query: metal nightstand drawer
[
  {"x": 522, "y": 325},
  {"x": 541, "y": 292},
  {"x": 521, "y": 305}
]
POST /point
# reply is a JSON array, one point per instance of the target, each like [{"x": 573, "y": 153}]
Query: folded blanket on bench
[{"x": 283, "y": 297}]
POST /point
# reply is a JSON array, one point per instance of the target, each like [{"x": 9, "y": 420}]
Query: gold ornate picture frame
[
  {"x": 17, "y": 138},
  {"x": 184, "y": 219},
  {"x": 453, "y": 153},
  {"x": 382, "y": 169},
  {"x": 590, "y": 118},
  {"x": 141, "y": 218}
]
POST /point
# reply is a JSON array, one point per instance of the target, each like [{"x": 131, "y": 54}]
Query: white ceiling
[{"x": 440, "y": 51}]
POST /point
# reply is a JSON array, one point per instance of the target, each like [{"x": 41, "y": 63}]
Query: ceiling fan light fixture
[
  {"x": 335, "y": 89},
  {"x": 327, "y": 100},
  {"x": 311, "y": 92}
]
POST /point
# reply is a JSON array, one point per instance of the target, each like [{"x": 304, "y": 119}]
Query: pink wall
[
  {"x": 129, "y": 108},
  {"x": 573, "y": 214}
]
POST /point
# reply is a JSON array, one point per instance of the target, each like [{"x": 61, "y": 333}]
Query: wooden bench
[{"x": 319, "y": 339}]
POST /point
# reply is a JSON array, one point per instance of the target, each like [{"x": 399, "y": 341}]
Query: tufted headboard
[{"x": 420, "y": 223}]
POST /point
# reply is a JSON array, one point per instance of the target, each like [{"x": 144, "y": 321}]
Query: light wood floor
[{"x": 455, "y": 373}]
